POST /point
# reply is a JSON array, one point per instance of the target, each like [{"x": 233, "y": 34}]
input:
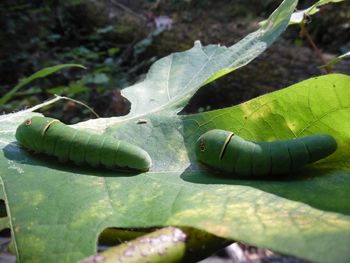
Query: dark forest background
[{"x": 118, "y": 40}]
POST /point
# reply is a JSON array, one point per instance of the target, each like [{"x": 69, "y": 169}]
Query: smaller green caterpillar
[
  {"x": 52, "y": 137},
  {"x": 229, "y": 153}
]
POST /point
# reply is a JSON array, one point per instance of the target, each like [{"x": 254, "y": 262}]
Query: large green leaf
[
  {"x": 173, "y": 80},
  {"x": 307, "y": 216},
  {"x": 56, "y": 211}
]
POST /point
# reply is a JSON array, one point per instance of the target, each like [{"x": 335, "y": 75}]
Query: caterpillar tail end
[
  {"x": 142, "y": 161},
  {"x": 147, "y": 163},
  {"x": 320, "y": 146}
]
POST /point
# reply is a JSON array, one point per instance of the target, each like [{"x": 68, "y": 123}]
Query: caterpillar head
[
  {"x": 31, "y": 132},
  {"x": 210, "y": 146}
]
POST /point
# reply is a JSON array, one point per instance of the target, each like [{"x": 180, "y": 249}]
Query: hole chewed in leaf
[
  {"x": 5, "y": 240},
  {"x": 3, "y": 212}
]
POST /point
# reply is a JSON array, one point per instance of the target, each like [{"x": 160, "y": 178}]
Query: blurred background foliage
[{"x": 117, "y": 40}]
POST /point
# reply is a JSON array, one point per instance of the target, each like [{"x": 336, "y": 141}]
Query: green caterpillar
[
  {"x": 52, "y": 137},
  {"x": 229, "y": 153}
]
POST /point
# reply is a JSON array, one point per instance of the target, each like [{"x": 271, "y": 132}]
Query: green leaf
[
  {"x": 39, "y": 74},
  {"x": 56, "y": 211},
  {"x": 336, "y": 60},
  {"x": 173, "y": 80},
  {"x": 306, "y": 217},
  {"x": 99, "y": 78},
  {"x": 113, "y": 51}
]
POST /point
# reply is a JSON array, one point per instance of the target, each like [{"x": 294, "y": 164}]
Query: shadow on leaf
[{"x": 323, "y": 189}]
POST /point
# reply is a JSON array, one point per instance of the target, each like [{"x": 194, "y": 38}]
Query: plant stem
[{"x": 318, "y": 52}]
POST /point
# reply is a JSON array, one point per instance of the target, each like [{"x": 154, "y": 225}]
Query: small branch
[
  {"x": 155, "y": 5},
  {"x": 80, "y": 103},
  {"x": 318, "y": 52},
  {"x": 127, "y": 9}
]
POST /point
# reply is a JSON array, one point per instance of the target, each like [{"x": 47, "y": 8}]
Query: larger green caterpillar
[
  {"x": 229, "y": 153},
  {"x": 52, "y": 137}
]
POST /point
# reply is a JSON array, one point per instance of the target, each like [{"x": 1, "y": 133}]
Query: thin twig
[
  {"x": 127, "y": 9},
  {"x": 318, "y": 52},
  {"x": 46, "y": 103},
  {"x": 78, "y": 102},
  {"x": 155, "y": 5}
]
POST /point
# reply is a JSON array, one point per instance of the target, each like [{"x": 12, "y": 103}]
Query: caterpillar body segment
[
  {"x": 229, "y": 153},
  {"x": 52, "y": 137}
]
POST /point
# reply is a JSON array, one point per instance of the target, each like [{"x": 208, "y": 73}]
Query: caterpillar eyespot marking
[
  {"x": 52, "y": 137},
  {"x": 228, "y": 153},
  {"x": 28, "y": 122},
  {"x": 202, "y": 145}
]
